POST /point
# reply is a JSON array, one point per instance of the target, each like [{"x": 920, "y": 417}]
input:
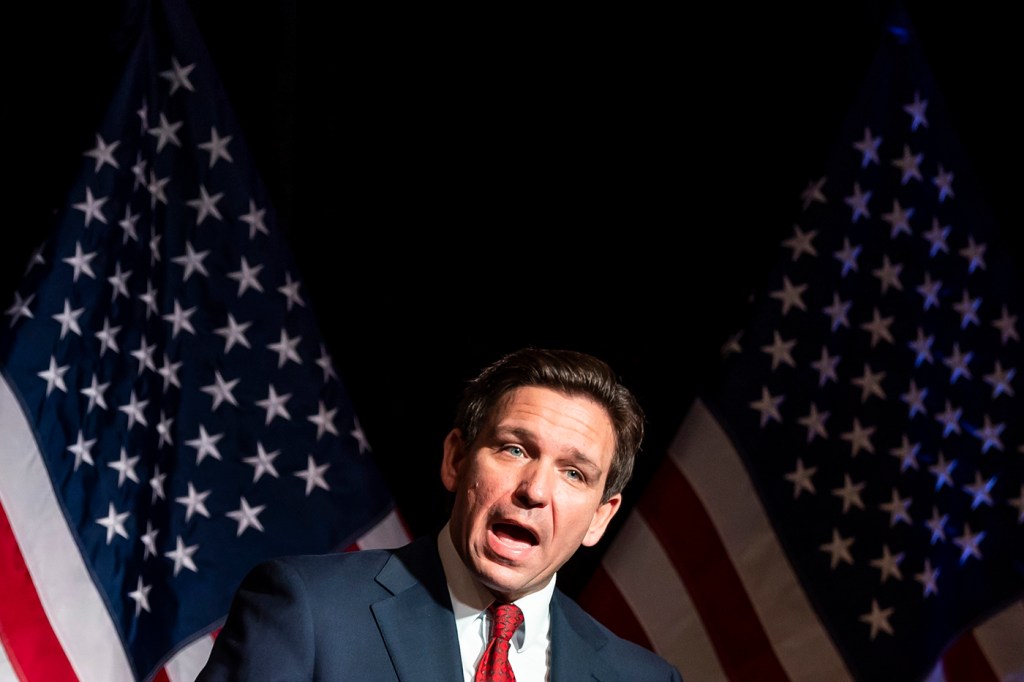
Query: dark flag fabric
[
  {"x": 846, "y": 500},
  {"x": 169, "y": 412}
]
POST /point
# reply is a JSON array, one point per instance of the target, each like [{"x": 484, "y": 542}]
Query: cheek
[
  {"x": 478, "y": 494},
  {"x": 578, "y": 514},
  {"x": 489, "y": 480},
  {"x": 485, "y": 493}
]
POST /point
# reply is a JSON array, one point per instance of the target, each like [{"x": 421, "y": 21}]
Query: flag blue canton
[
  {"x": 875, "y": 395},
  {"x": 181, "y": 395}
]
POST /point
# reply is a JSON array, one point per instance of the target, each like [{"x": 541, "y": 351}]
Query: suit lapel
[
  {"x": 418, "y": 626},
  {"x": 576, "y": 644},
  {"x": 417, "y": 623}
]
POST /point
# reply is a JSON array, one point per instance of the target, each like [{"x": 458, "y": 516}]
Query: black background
[{"x": 456, "y": 183}]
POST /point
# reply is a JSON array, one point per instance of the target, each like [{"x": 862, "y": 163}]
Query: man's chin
[
  {"x": 509, "y": 582},
  {"x": 502, "y": 579}
]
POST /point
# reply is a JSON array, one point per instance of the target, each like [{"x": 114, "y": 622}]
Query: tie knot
[{"x": 507, "y": 619}]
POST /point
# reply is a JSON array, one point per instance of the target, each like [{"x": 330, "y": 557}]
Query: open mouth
[{"x": 510, "y": 532}]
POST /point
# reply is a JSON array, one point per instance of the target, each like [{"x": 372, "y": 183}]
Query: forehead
[{"x": 577, "y": 419}]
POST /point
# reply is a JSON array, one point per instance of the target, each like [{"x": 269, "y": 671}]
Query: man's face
[{"x": 528, "y": 492}]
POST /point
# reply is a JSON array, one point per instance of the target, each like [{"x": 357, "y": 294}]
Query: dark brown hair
[{"x": 569, "y": 372}]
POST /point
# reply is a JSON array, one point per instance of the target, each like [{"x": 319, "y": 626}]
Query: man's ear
[
  {"x": 454, "y": 456},
  {"x": 601, "y": 518}
]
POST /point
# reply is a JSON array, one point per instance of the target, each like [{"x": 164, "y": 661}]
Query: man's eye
[
  {"x": 574, "y": 474},
  {"x": 515, "y": 450}
]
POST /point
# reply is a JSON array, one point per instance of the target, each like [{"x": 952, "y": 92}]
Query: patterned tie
[{"x": 494, "y": 665}]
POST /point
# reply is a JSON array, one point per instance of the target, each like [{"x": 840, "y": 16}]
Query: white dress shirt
[{"x": 529, "y": 654}]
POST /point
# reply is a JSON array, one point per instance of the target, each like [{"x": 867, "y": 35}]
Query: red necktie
[{"x": 494, "y": 665}]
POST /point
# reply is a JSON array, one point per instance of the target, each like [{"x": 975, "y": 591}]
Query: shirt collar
[{"x": 470, "y": 599}]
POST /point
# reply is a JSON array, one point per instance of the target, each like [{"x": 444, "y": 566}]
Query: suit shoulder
[
  {"x": 315, "y": 567},
  {"x": 331, "y": 561},
  {"x": 639, "y": 658},
  {"x": 388, "y": 569}
]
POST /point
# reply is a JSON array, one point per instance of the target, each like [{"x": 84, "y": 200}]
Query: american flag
[
  {"x": 846, "y": 501},
  {"x": 169, "y": 412}
]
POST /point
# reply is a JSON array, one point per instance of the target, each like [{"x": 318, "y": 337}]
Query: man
[{"x": 542, "y": 447}]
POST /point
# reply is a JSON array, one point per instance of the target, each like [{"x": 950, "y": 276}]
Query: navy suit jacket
[{"x": 386, "y": 615}]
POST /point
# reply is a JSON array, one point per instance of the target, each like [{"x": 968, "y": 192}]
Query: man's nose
[{"x": 535, "y": 484}]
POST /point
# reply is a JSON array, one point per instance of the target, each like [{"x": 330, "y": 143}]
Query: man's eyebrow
[
  {"x": 578, "y": 457},
  {"x": 584, "y": 461},
  {"x": 517, "y": 432}
]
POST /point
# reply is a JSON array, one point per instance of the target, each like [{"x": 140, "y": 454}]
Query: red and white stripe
[
  {"x": 54, "y": 626},
  {"x": 696, "y": 574}
]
